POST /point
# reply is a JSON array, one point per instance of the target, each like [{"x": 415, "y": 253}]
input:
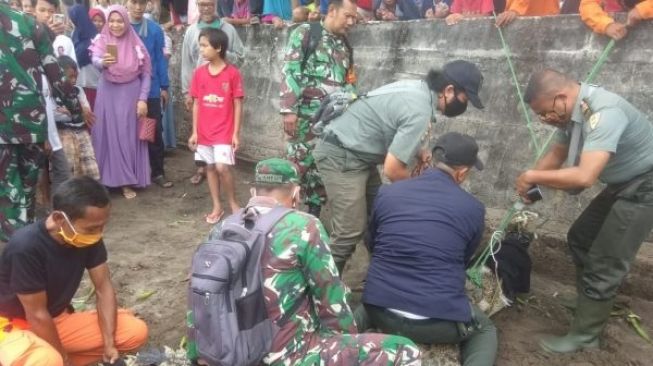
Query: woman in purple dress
[{"x": 121, "y": 100}]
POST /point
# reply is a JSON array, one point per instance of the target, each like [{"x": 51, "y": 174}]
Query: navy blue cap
[
  {"x": 458, "y": 149},
  {"x": 467, "y": 76}
]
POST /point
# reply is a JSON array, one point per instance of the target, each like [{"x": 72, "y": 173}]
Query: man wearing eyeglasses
[{"x": 602, "y": 137}]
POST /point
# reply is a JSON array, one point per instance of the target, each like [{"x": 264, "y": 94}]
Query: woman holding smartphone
[{"x": 122, "y": 93}]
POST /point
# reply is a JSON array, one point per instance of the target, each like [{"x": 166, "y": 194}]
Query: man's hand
[
  {"x": 634, "y": 17},
  {"x": 523, "y": 184},
  {"x": 188, "y": 102},
  {"x": 454, "y": 18},
  {"x": 165, "y": 98},
  {"x": 616, "y": 31},
  {"x": 108, "y": 60},
  {"x": 192, "y": 142},
  {"x": 63, "y": 110},
  {"x": 110, "y": 354},
  {"x": 290, "y": 124},
  {"x": 141, "y": 109},
  {"x": 506, "y": 18},
  {"x": 89, "y": 117}
]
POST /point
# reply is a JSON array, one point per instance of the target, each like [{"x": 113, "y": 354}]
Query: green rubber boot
[
  {"x": 569, "y": 300},
  {"x": 589, "y": 321}
]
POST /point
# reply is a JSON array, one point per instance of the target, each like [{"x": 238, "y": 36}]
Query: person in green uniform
[
  {"x": 390, "y": 126},
  {"x": 602, "y": 137},
  {"x": 25, "y": 56},
  {"x": 303, "y": 293},
  {"x": 309, "y": 73}
]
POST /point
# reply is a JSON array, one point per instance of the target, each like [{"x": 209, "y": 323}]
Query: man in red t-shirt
[{"x": 217, "y": 92}]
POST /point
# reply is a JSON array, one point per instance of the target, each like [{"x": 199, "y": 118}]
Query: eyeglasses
[{"x": 543, "y": 115}]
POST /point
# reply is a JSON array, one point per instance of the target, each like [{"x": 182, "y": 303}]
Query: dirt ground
[{"x": 151, "y": 240}]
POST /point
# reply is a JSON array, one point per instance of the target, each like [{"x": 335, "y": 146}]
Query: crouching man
[
  {"x": 40, "y": 271},
  {"x": 422, "y": 234},
  {"x": 302, "y": 290}
]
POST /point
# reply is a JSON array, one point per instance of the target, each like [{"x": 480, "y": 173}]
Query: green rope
[
  {"x": 474, "y": 272},
  {"x": 527, "y": 115}
]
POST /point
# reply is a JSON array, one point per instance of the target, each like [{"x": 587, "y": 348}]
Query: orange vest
[{"x": 598, "y": 19}]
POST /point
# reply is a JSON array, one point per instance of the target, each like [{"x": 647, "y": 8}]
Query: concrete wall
[{"x": 390, "y": 51}]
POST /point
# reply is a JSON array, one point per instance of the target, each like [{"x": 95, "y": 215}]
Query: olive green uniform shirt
[
  {"x": 395, "y": 118},
  {"x": 614, "y": 125}
]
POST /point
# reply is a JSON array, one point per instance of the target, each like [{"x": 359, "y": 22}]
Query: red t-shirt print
[{"x": 215, "y": 95}]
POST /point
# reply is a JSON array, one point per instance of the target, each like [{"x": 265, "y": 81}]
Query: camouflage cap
[{"x": 275, "y": 171}]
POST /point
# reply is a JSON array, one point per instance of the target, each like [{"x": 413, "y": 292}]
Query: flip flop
[
  {"x": 197, "y": 178},
  {"x": 214, "y": 219},
  {"x": 129, "y": 193},
  {"x": 162, "y": 182}
]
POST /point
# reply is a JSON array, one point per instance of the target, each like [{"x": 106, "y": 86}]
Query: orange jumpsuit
[
  {"x": 598, "y": 19},
  {"x": 534, "y": 7}
]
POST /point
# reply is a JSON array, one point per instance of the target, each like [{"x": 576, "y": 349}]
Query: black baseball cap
[
  {"x": 467, "y": 76},
  {"x": 458, "y": 149}
]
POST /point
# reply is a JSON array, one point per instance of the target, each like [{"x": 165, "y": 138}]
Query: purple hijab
[{"x": 133, "y": 59}]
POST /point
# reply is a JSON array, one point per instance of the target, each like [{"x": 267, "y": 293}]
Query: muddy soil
[{"x": 151, "y": 240}]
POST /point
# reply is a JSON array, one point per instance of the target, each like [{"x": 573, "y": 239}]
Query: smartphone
[
  {"x": 112, "y": 49},
  {"x": 534, "y": 194},
  {"x": 58, "y": 18}
]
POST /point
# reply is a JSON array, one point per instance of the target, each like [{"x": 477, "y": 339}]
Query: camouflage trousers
[
  {"x": 19, "y": 173},
  {"x": 365, "y": 349},
  {"x": 300, "y": 153}
]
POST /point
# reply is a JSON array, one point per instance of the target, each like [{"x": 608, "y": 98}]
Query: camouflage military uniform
[
  {"x": 301, "y": 92},
  {"x": 301, "y": 284},
  {"x": 25, "y": 54}
]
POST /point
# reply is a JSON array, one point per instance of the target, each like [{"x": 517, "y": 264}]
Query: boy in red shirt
[{"x": 217, "y": 92}]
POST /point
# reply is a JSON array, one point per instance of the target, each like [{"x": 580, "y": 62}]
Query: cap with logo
[
  {"x": 456, "y": 149},
  {"x": 467, "y": 76},
  {"x": 275, "y": 171}
]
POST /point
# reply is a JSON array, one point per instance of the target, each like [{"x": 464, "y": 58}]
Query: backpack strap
[
  {"x": 266, "y": 222},
  {"x": 309, "y": 44}
]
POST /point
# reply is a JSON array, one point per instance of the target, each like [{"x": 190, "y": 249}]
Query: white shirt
[
  {"x": 63, "y": 46},
  {"x": 53, "y": 135}
]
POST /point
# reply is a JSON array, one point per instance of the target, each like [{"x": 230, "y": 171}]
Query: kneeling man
[
  {"x": 40, "y": 271},
  {"x": 422, "y": 234}
]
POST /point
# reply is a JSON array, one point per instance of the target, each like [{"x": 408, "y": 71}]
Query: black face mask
[{"x": 455, "y": 108}]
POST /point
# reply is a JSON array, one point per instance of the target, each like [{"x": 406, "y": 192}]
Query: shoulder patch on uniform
[{"x": 594, "y": 120}]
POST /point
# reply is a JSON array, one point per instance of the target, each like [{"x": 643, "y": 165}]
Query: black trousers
[{"x": 156, "y": 148}]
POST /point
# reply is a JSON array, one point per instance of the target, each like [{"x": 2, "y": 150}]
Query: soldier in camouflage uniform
[
  {"x": 25, "y": 54},
  {"x": 300, "y": 277},
  {"x": 307, "y": 78}
]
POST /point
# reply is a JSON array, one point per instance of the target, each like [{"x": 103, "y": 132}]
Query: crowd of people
[{"x": 92, "y": 104}]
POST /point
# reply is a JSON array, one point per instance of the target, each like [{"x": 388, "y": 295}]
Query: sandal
[
  {"x": 197, "y": 178},
  {"x": 128, "y": 193},
  {"x": 214, "y": 219},
  {"x": 162, "y": 182}
]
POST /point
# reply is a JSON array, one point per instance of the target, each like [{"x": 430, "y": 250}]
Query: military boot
[
  {"x": 589, "y": 320},
  {"x": 314, "y": 210}
]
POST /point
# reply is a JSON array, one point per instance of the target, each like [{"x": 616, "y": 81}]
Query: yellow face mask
[{"x": 78, "y": 240}]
